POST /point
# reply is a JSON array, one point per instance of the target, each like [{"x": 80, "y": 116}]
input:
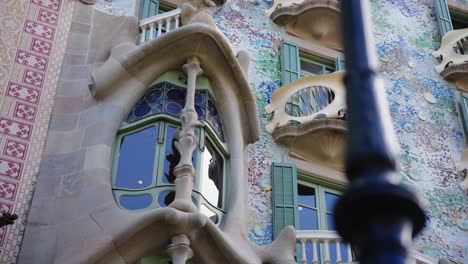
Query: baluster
[
  {"x": 338, "y": 252},
  {"x": 143, "y": 34},
  {"x": 177, "y": 21},
  {"x": 303, "y": 252},
  {"x": 314, "y": 252},
  {"x": 168, "y": 24},
  {"x": 151, "y": 31},
  {"x": 350, "y": 255},
  {"x": 326, "y": 258},
  {"x": 159, "y": 27}
]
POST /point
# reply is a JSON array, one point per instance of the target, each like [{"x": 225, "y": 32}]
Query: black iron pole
[{"x": 376, "y": 215}]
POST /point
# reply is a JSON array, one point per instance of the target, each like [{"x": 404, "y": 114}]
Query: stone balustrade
[
  {"x": 307, "y": 99},
  {"x": 453, "y": 50},
  {"x": 316, "y": 245},
  {"x": 155, "y": 26}
]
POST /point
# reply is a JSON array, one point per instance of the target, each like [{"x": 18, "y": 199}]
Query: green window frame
[
  {"x": 443, "y": 16},
  {"x": 327, "y": 66},
  {"x": 207, "y": 141}
]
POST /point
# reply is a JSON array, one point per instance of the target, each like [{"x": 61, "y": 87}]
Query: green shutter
[
  {"x": 340, "y": 64},
  {"x": 290, "y": 64},
  {"x": 443, "y": 16},
  {"x": 148, "y": 8},
  {"x": 284, "y": 196}
]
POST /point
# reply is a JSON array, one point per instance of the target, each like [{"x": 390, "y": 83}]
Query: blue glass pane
[
  {"x": 153, "y": 95},
  {"x": 165, "y": 198},
  {"x": 330, "y": 200},
  {"x": 136, "y": 159},
  {"x": 135, "y": 202},
  {"x": 214, "y": 119},
  {"x": 174, "y": 108},
  {"x": 141, "y": 110},
  {"x": 172, "y": 156},
  {"x": 306, "y": 196},
  {"x": 330, "y": 222},
  {"x": 307, "y": 219}
]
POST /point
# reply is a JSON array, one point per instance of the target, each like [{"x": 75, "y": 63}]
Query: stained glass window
[{"x": 146, "y": 154}]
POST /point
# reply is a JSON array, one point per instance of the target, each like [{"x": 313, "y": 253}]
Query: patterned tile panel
[{"x": 28, "y": 79}]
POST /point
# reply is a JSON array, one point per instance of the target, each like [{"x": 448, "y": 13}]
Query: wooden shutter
[
  {"x": 340, "y": 64},
  {"x": 290, "y": 64},
  {"x": 443, "y": 16},
  {"x": 284, "y": 196},
  {"x": 148, "y": 8}
]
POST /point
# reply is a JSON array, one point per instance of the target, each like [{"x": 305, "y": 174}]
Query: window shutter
[
  {"x": 443, "y": 16},
  {"x": 148, "y": 8},
  {"x": 290, "y": 64},
  {"x": 284, "y": 196},
  {"x": 340, "y": 64}
]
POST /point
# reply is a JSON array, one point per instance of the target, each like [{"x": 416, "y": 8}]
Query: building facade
[{"x": 146, "y": 131}]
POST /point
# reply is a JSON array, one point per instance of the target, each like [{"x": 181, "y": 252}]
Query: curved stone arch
[{"x": 118, "y": 84}]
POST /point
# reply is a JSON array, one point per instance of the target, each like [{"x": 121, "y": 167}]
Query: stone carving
[
  {"x": 447, "y": 54},
  {"x": 198, "y": 11},
  {"x": 89, "y": 2}
]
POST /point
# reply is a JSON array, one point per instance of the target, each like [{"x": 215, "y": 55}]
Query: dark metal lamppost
[{"x": 376, "y": 215}]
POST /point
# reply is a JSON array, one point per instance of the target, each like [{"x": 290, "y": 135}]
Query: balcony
[
  {"x": 453, "y": 56},
  {"x": 316, "y": 245},
  {"x": 308, "y": 118},
  {"x": 311, "y": 20},
  {"x": 155, "y": 26}
]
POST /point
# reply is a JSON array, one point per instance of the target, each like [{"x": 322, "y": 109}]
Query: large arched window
[{"x": 145, "y": 153}]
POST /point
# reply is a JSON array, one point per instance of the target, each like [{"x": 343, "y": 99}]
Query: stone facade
[{"x": 56, "y": 136}]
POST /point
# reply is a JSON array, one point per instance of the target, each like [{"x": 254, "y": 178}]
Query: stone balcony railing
[
  {"x": 307, "y": 117},
  {"x": 453, "y": 56},
  {"x": 155, "y": 26},
  {"x": 311, "y": 20},
  {"x": 316, "y": 245}
]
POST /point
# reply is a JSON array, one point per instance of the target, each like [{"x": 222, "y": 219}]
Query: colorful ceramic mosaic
[
  {"x": 116, "y": 7},
  {"x": 422, "y": 106}
]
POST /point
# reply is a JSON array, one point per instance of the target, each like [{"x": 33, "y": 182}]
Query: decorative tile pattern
[
  {"x": 14, "y": 128},
  {"x": 8, "y": 190},
  {"x": 39, "y": 30},
  {"x": 41, "y": 46},
  {"x": 33, "y": 78},
  {"x": 25, "y": 112},
  {"x": 15, "y": 149},
  {"x": 23, "y": 93},
  {"x": 10, "y": 169},
  {"x": 30, "y": 63},
  {"x": 48, "y": 17},
  {"x": 31, "y": 60},
  {"x": 51, "y": 4}
]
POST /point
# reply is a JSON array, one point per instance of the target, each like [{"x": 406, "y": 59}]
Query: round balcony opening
[{"x": 309, "y": 101}]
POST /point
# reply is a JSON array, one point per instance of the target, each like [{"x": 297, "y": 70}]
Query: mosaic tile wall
[
  {"x": 422, "y": 106},
  {"x": 33, "y": 34}
]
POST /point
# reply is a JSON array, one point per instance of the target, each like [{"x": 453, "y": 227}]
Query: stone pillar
[
  {"x": 186, "y": 142},
  {"x": 179, "y": 249}
]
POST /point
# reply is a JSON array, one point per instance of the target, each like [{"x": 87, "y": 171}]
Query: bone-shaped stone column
[{"x": 186, "y": 142}]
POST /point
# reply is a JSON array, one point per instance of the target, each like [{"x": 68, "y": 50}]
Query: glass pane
[
  {"x": 135, "y": 202},
  {"x": 136, "y": 159},
  {"x": 307, "y": 219},
  {"x": 310, "y": 68},
  {"x": 330, "y": 222},
  {"x": 306, "y": 195},
  {"x": 211, "y": 215},
  {"x": 165, "y": 198},
  {"x": 330, "y": 200},
  {"x": 172, "y": 156},
  {"x": 212, "y": 167}
]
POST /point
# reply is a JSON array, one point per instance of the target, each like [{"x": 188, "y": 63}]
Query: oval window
[{"x": 309, "y": 100}]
